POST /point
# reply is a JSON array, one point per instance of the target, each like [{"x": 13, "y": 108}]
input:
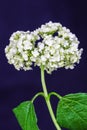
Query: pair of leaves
[
  {"x": 72, "y": 111},
  {"x": 25, "y": 114}
]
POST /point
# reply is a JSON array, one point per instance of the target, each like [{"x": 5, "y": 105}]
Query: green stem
[
  {"x": 47, "y": 99},
  {"x": 55, "y": 94},
  {"x": 38, "y": 94}
]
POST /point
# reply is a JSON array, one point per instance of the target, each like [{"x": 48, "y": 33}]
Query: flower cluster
[
  {"x": 51, "y": 45},
  {"x": 19, "y": 51}
]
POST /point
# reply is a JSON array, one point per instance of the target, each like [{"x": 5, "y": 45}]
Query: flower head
[
  {"x": 19, "y": 51},
  {"x": 51, "y": 45}
]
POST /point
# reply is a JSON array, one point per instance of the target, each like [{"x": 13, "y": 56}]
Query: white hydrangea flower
[
  {"x": 60, "y": 47},
  {"x": 20, "y": 49},
  {"x": 50, "y": 45}
]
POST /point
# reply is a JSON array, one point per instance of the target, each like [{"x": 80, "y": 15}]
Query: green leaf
[
  {"x": 25, "y": 114},
  {"x": 72, "y": 111}
]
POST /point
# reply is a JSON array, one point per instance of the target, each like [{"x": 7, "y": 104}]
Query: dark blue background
[{"x": 17, "y": 86}]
